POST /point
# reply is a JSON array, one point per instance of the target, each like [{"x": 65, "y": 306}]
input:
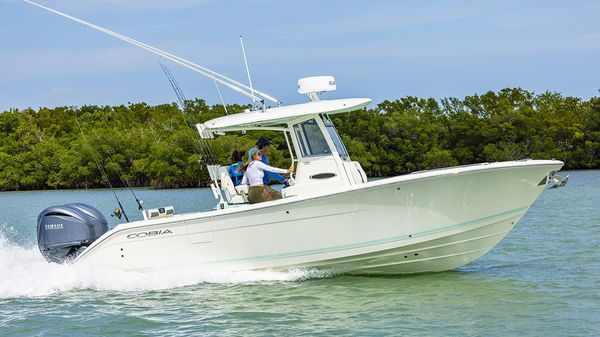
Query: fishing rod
[
  {"x": 182, "y": 101},
  {"x": 252, "y": 93},
  {"x": 180, "y": 96},
  {"x": 118, "y": 211},
  {"x": 201, "y": 145},
  {"x": 206, "y": 155},
  {"x": 139, "y": 202}
]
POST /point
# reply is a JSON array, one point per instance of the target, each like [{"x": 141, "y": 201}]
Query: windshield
[
  {"x": 311, "y": 140},
  {"x": 339, "y": 145}
]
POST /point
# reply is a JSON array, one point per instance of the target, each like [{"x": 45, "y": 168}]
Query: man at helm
[{"x": 264, "y": 145}]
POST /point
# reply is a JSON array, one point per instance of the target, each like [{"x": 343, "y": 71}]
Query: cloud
[{"x": 588, "y": 41}]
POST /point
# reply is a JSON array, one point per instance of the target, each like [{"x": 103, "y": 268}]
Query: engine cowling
[{"x": 64, "y": 231}]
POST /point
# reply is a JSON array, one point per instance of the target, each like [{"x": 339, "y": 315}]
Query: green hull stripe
[{"x": 370, "y": 242}]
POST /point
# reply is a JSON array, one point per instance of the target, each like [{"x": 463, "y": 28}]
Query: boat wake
[{"x": 25, "y": 273}]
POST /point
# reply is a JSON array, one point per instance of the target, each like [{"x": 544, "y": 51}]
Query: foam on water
[{"x": 25, "y": 273}]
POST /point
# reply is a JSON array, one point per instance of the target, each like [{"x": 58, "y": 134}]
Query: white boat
[{"x": 331, "y": 216}]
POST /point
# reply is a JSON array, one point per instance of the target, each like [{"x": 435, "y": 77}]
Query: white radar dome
[{"x": 312, "y": 86}]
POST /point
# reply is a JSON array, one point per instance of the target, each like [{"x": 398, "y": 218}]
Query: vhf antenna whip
[
  {"x": 248, "y": 72},
  {"x": 221, "y": 96}
]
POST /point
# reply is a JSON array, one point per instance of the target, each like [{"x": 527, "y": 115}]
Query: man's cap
[{"x": 262, "y": 141}]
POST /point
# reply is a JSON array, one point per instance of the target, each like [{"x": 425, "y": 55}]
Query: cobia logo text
[{"x": 149, "y": 233}]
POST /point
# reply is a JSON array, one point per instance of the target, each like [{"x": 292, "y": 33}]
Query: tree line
[{"x": 158, "y": 146}]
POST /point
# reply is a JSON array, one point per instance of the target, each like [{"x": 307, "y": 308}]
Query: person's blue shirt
[
  {"x": 271, "y": 175},
  {"x": 236, "y": 176}
]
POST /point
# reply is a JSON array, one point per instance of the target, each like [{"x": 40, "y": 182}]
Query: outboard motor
[{"x": 65, "y": 231}]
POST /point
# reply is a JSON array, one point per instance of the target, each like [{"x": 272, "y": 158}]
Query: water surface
[{"x": 541, "y": 280}]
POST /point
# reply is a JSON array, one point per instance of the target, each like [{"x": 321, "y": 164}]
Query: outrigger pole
[{"x": 226, "y": 81}]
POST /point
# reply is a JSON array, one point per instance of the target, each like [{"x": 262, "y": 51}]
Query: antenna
[
  {"x": 221, "y": 97},
  {"x": 226, "y": 81},
  {"x": 247, "y": 69}
]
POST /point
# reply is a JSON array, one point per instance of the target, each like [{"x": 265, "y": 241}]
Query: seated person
[
  {"x": 254, "y": 174},
  {"x": 264, "y": 145},
  {"x": 234, "y": 169}
]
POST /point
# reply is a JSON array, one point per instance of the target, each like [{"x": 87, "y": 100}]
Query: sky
[{"x": 376, "y": 49}]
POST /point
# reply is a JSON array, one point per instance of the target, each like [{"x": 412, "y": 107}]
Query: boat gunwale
[{"x": 416, "y": 176}]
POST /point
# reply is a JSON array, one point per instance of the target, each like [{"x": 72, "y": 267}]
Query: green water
[{"x": 542, "y": 280}]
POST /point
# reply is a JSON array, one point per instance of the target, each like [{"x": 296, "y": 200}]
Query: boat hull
[{"x": 423, "y": 222}]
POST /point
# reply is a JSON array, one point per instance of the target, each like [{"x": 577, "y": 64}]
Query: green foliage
[{"x": 158, "y": 146}]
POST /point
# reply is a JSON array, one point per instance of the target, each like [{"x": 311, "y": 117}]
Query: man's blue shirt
[{"x": 270, "y": 175}]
